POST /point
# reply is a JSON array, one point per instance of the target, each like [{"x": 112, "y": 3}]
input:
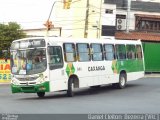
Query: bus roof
[{"x": 54, "y": 40}]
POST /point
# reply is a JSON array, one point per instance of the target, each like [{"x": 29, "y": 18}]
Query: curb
[
  {"x": 152, "y": 75},
  {"x": 4, "y": 83}
]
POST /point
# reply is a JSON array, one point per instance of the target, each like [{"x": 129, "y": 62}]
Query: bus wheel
[
  {"x": 40, "y": 94},
  {"x": 122, "y": 82},
  {"x": 70, "y": 92}
]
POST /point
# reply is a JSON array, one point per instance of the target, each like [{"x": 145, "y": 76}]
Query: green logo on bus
[
  {"x": 114, "y": 66},
  {"x": 70, "y": 69}
]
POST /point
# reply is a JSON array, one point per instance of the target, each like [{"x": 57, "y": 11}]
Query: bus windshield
[{"x": 30, "y": 61}]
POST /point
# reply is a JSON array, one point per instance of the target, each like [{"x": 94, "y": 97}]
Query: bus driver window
[{"x": 55, "y": 57}]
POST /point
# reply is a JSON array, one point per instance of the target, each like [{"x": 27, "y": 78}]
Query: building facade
[
  {"x": 96, "y": 19},
  {"x": 84, "y": 18},
  {"x": 144, "y": 19},
  {"x": 144, "y": 24}
]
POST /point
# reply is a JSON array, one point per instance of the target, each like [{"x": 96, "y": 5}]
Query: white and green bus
[{"x": 46, "y": 64}]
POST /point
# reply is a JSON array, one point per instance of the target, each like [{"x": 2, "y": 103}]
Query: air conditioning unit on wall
[{"x": 121, "y": 24}]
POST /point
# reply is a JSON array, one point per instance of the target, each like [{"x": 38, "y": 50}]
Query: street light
[
  {"x": 48, "y": 23},
  {"x": 66, "y": 5}
]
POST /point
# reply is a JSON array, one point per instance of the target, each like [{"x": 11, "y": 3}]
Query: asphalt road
[{"x": 140, "y": 96}]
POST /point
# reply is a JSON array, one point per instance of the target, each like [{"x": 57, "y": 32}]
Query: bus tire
[
  {"x": 70, "y": 92},
  {"x": 41, "y": 94},
  {"x": 122, "y": 81}
]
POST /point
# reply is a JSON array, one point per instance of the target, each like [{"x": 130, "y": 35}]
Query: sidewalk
[
  {"x": 152, "y": 75},
  {"x": 5, "y": 83}
]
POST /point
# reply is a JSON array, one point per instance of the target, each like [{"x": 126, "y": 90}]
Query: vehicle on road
[{"x": 45, "y": 64}]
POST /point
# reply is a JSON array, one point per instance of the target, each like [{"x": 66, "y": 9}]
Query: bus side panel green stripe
[{"x": 130, "y": 65}]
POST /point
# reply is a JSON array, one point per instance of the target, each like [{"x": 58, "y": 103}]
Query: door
[{"x": 57, "y": 75}]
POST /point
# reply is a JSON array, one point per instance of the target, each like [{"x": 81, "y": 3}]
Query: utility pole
[
  {"x": 48, "y": 23},
  {"x": 86, "y": 20},
  {"x": 128, "y": 15},
  {"x": 99, "y": 22}
]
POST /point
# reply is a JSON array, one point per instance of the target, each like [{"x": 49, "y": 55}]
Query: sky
[{"x": 27, "y": 13}]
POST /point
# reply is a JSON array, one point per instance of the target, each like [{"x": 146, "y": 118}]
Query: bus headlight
[
  {"x": 14, "y": 81},
  {"x": 42, "y": 88},
  {"x": 40, "y": 80}
]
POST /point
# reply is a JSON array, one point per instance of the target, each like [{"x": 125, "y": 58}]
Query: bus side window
[
  {"x": 138, "y": 52},
  {"x": 55, "y": 57},
  {"x": 83, "y": 52},
  {"x": 97, "y": 52},
  {"x": 131, "y": 54},
  {"x": 69, "y": 52},
  {"x": 109, "y": 52},
  {"x": 121, "y": 51}
]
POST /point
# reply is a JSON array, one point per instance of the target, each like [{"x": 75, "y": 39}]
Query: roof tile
[{"x": 138, "y": 35}]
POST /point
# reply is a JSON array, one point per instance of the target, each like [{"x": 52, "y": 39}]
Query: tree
[{"x": 8, "y": 33}]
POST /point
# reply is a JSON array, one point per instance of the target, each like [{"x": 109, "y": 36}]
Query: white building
[{"x": 85, "y": 18}]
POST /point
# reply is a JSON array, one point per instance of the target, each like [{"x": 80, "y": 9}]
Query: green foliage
[
  {"x": 11, "y": 31},
  {"x": 8, "y": 33}
]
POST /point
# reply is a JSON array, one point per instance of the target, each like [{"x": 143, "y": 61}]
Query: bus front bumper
[{"x": 44, "y": 87}]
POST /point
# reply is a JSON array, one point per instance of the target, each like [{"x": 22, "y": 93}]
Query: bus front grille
[
  {"x": 27, "y": 79},
  {"x": 27, "y": 89}
]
